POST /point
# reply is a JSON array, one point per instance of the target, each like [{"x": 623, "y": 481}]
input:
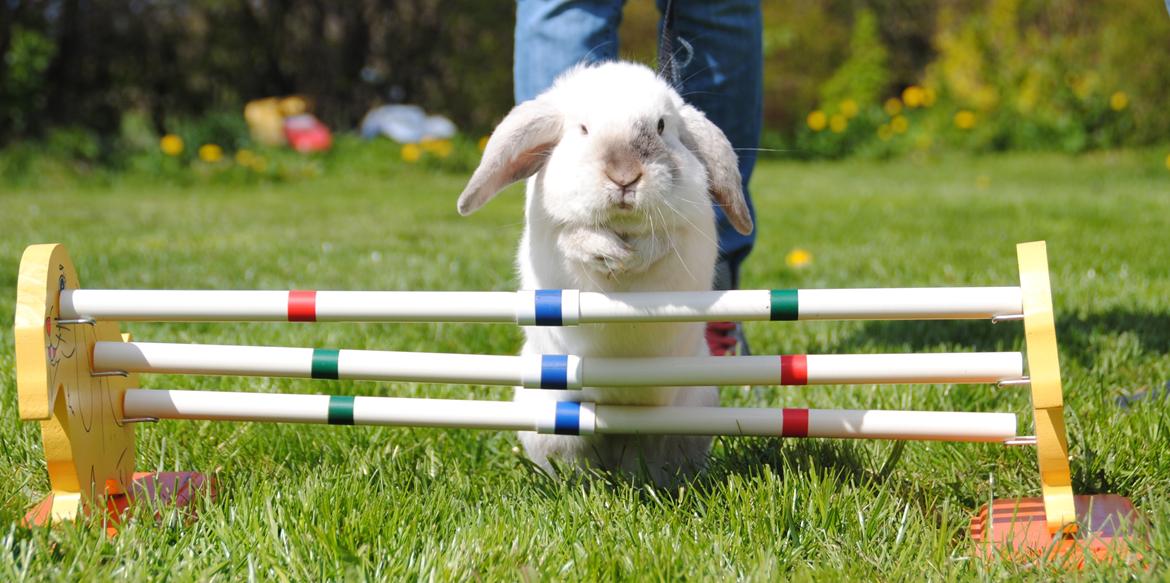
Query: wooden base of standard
[
  {"x": 1016, "y": 529},
  {"x": 162, "y": 492}
]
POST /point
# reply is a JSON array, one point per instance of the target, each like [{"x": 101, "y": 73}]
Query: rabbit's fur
[{"x": 621, "y": 176}]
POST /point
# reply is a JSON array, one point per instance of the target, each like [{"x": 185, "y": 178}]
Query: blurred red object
[{"x": 306, "y": 133}]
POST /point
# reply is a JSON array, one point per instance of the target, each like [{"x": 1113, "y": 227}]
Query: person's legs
[
  {"x": 554, "y": 35},
  {"x": 724, "y": 79}
]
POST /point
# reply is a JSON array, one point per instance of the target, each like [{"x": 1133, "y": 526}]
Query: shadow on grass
[
  {"x": 736, "y": 456},
  {"x": 1076, "y": 334},
  {"x": 746, "y": 457},
  {"x": 926, "y": 335}
]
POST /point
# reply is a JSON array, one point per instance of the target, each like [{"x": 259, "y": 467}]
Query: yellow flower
[
  {"x": 798, "y": 258},
  {"x": 965, "y": 119},
  {"x": 892, "y": 106},
  {"x": 899, "y": 124},
  {"x": 928, "y": 97},
  {"x": 210, "y": 153},
  {"x": 838, "y": 123},
  {"x": 817, "y": 120},
  {"x": 849, "y": 108},
  {"x": 483, "y": 143},
  {"x": 245, "y": 158},
  {"x": 913, "y": 96},
  {"x": 411, "y": 152},
  {"x": 171, "y": 145},
  {"x": 440, "y": 148},
  {"x": 1168, "y": 161},
  {"x": 884, "y": 132},
  {"x": 1118, "y": 101}
]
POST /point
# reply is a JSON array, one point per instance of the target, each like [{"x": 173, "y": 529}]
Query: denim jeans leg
[
  {"x": 724, "y": 79},
  {"x": 554, "y": 35}
]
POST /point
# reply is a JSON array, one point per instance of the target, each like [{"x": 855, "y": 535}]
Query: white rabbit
[{"x": 621, "y": 176}]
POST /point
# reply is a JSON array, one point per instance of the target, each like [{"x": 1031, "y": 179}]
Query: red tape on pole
[
  {"x": 794, "y": 423},
  {"x": 793, "y": 369},
  {"x": 302, "y": 306}
]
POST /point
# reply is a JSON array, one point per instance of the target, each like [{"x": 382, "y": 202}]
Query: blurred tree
[{"x": 185, "y": 58}]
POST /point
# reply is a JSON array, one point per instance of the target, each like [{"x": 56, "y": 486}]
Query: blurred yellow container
[{"x": 265, "y": 121}]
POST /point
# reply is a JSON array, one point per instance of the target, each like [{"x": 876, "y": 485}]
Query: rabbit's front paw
[{"x": 599, "y": 250}]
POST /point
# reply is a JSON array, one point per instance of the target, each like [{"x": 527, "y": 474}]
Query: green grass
[{"x": 306, "y": 502}]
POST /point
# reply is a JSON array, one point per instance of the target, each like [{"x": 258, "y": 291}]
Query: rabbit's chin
[{"x": 614, "y": 255}]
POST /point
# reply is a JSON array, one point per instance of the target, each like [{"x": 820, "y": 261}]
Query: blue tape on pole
[
  {"x": 548, "y": 307},
  {"x": 568, "y": 420},
  {"x": 554, "y": 371}
]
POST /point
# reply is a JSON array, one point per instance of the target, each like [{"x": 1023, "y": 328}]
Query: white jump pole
[
  {"x": 557, "y": 371},
  {"x": 543, "y": 307},
  {"x": 569, "y": 418}
]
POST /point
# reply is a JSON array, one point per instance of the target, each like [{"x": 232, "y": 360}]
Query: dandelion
[
  {"x": 849, "y": 108},
  {"x": 440, "y": 148},
  {"x": 798, "y": 258},
  {"x": 838, "y": 123},
  {"x": 899, "y": 124},
  {"x": 893, "y": 106},
  {"x": 913, "y": 96},
  {"x": 965, "y": 119},
  {"x": 411, "y": 153},
  {"x": 210, "y": 153},
  {"x": 482, "y": 143},
  {"x": 817, "y": 120},
  {"x": 928, "y": 97},
  {"x": 171, "y": 145},
  {"x": 245, "y": 158},
  {"x": 885, "y": 132},
  {"x": 1118, "y": 101}
]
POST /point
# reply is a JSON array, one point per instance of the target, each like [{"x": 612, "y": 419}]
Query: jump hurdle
[{"x": 77, "y": 374}]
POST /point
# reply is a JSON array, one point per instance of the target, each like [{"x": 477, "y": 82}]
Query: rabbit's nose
[{"x": 624, "y": 177}]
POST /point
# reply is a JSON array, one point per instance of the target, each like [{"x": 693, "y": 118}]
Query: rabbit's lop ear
[
  {"x": 517, "y": 149},
  {"x": 707, "y": 142}
]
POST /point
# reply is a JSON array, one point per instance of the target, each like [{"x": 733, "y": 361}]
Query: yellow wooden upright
[{"x": 1047, "y": 395}]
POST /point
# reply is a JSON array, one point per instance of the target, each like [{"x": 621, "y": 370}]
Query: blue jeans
[{"x": 724, "y": 78}]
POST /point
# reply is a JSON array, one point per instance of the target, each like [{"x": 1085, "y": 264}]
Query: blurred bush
[
  {"x": 212, "y": 152},
  {"x": 1003, "y": 74}
]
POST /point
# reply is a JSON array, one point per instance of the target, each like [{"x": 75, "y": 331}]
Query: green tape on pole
[
  {"x": 324, "y": 363},
  {"x": 340, "y": 410},
  {"x": 785, "y": 305}
]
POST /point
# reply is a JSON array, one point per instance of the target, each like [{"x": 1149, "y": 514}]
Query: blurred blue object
[
  {"x": 406, "y": 124},
  {"x": 1155, "y": 394}
]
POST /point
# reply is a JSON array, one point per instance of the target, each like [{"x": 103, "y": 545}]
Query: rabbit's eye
[
  {"x": 661, "y": 125},
  {"x": 584, "y": 130}
]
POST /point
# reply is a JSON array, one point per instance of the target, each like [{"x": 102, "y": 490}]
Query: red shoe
[{"x": 726, "y": 339}]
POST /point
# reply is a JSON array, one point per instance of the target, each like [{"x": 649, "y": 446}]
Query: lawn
[{"x": 305, "y": 503}]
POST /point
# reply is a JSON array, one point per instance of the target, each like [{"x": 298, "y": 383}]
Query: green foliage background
[{"x": 1034, "y": 74}]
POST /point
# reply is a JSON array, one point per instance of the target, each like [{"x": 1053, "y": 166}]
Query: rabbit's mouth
[{"x": 627, "y": 223}]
